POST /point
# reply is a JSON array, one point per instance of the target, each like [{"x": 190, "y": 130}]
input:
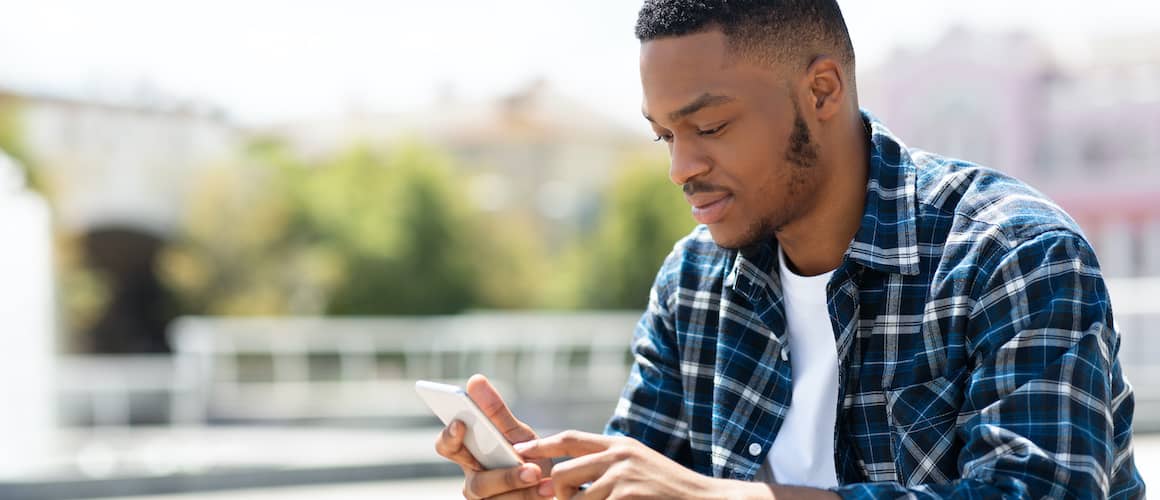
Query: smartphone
[{"x": 486, "y": 443}]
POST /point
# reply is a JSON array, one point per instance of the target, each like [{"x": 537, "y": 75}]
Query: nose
[{"x": 687, "y": 161}]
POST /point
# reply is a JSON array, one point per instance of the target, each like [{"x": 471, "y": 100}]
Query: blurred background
[{"x": 234, "y": 233}]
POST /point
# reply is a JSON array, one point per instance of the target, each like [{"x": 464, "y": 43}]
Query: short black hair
[{"x": 787, "y": 31}]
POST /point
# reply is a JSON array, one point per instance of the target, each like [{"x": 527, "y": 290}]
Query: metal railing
[
  {"x": 324, "y": 368},
  {"x": 252, "y": 369}
]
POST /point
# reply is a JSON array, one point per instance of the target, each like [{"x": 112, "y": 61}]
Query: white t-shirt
[{"x": 802, "y": 454}]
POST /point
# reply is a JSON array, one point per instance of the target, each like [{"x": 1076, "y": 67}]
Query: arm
[
  {"x": 1046, "y": 393},
  {"x": 652, "y": 402}
]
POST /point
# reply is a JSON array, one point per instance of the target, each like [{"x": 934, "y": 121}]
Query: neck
[{"x": 816, "y": 242}]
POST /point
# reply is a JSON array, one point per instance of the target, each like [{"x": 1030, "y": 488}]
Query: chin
[
  {"x": 728, "y": 239},
  {"x": 732, "y": 237}
]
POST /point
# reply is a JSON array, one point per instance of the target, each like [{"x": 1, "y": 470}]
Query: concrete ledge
[
  {"x": 164, "y": 460},
  {"x": 223, "y": 480}
]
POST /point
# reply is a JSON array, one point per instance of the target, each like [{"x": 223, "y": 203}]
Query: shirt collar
[{"x": 887, "y": 239}]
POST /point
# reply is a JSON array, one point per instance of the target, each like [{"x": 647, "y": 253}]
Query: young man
[{"x": 853, "y": 317}]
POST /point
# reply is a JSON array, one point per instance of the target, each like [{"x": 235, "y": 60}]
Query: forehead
[
  {"x": 676, "y": 70},
  {"x": 679, "y": 52}
]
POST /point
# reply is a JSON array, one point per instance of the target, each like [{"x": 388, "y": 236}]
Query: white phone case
[{"x": 483, "y": 440}]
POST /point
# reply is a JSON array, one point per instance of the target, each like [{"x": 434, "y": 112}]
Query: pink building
[{"x": 1089, "y": 137}]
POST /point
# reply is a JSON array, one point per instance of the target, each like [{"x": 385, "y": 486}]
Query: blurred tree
[
  {"x": 365, "y": 232},
  {"x": 643, "y": 217},
  {"x": 399, "y": 224},
  {"x": 513, "y": 262},
  {"x": 12, "y": 139},
  {"x": 236, "y": 253},
  {"x": 388, "y": 232}
]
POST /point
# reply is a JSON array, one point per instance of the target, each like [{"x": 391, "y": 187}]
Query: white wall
[{"x": 26, "y": 320}]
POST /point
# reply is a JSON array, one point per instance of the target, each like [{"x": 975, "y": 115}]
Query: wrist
[{"x": 732, "y": 489}]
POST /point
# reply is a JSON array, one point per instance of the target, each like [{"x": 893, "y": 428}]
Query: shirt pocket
[{"x": 922, "y": 421}]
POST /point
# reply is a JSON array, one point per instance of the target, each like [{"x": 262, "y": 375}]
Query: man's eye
[
  {"x": 663, "y": 137},
  {"x": 713, "y": 131}
]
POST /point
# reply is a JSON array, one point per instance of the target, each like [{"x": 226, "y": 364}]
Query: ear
[{"x": 827, "y": 83}]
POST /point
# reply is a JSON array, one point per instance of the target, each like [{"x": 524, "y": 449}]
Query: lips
[{"x": 709, "y": 208}]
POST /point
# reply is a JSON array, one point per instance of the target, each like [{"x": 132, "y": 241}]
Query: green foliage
[
  {"x": 12, "y": 139},
  {"x": 366, "y": 232},
  {"x": 513, "y": 263},
  {"x": 387, "y": 232},
  {"x": 642, "y": 218},
  {"x": 399, "y": 226},
  {"x": 236, "y": 254}
]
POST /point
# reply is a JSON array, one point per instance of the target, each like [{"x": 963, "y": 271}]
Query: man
[{"x": 853, "y": 318}]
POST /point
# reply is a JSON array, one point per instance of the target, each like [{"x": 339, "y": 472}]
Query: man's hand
[
  {"x": 621, "y": 467},
  {"x": 515, "y": 483},
  {"x": 615, "y": 467}
]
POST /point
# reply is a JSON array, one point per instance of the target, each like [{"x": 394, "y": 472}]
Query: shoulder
[{"x": 982, "y": 207}]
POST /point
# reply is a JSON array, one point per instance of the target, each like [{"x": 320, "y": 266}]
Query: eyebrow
[{"x": 704, "y": 101}]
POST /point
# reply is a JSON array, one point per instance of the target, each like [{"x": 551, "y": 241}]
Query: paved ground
[
  {"x": 84, "y": 463},
  {"x": 425, "y": 489}
]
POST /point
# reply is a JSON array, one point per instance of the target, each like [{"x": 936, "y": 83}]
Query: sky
[{"x": 266, "y": 61}]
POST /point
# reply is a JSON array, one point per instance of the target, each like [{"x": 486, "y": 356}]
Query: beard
[{"x": 801, "y": 157}]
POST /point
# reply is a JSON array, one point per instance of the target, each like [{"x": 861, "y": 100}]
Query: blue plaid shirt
[{"x": 976, "y": 352}]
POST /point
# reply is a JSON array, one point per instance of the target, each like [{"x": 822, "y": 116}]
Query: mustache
[{"x": 693, "y": 187}]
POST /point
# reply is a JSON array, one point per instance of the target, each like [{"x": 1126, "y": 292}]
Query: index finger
[
  {"x": 491, "y": 403},
  {"x": 567, "y": 443}
]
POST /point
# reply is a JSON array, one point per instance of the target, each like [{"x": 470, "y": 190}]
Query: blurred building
[
  {"x": 119, "y": 163},
  {"x": 533, "y": 151},
  {"x": 117, "y": 174},
  {"x": 1087, "y": 136}
]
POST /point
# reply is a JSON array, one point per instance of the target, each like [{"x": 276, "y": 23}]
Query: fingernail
[
  {"x": 454, "y": 429},
  {"x": 546, "y": 490},
  {"x": 528, "y": 475},
  {"x": 522, "y": 447}
]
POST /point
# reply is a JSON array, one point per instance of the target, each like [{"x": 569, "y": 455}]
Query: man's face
[{"x": 739, "y": 145}]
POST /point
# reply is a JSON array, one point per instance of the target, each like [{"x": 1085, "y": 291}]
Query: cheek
[{"x": 756, "y": 164}]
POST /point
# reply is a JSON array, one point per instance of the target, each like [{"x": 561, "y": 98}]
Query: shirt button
[
  {"x": 754, "y": 449},
  {"x": 785, "y": 354}
]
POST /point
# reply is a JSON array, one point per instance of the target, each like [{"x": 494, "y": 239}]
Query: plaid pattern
[{"x": 973, "y": 328}]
